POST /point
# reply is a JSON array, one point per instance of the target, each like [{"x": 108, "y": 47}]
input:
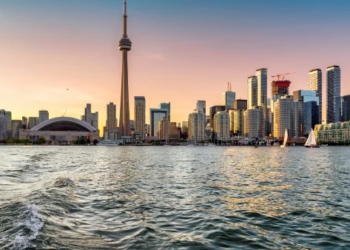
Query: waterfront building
[
  {"x": 87, "y": 113},
  {"x": 24, "y": 122},
  {"x": 94, "y": 120},
  {"x": 124, "y": 46},
  {"x": 240, "y": 104},
  {"x": 33, "y": 121},
  {"x": 222, "y": 126},
  {"x": 163, "y": 129},
  {"x": 333, "y": 132},
  {"x": 184, "y": 127},
  {"x": 213, "y": 111},
  {"x": 111, "y": 122},
  {"x": 196, "y": 127},
  {"x": 287, "y": 115},
  {"x": 61, "y": 130},
  {"x": 261, "y": 82},
  {"x": 315, "y": 84},
  {"x": 311, "y": 109},
  {"x": 156, "y": 115},
  {"x": 140, "y": 114},
  {"x": 252, "y": 92},
  {"x": 237, "y": 121},
  {"x": 228, "y": 98},
  {"x": 346, "y": 108},
  {"x": 279, "y": 88},
  {"x": 166, "y": 106},
  {"x": 254, "y": 119},
  {"x": 16, "y": 125},
  {"x": 3, "y": 127},
  {"x": 174, "y": 131},
  {"x": 43, "y": 115},
  {"x": 201, "y": 107},
  {"x": 333, "y": 92},
  {"x": 8, "y": 115}
]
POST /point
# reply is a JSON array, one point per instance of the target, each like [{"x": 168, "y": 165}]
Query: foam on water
[{"x": 31, "y": 224}]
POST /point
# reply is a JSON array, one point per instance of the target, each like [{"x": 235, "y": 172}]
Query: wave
[{"x": 27, "y": 227}]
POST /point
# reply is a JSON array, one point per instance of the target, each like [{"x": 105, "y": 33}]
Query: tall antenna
[{"x": 125, "y": 24}]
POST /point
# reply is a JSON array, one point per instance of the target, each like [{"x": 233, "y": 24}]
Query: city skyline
[{"x": 79, "y": 64}]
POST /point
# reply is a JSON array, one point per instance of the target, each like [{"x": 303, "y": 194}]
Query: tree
[
  {"x": 88, "y": 141},
  {"x": 95, "y": 142},
  {"x": 42, "y": 140}
]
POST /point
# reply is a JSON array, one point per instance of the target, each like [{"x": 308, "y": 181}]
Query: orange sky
[{"x": 43, "y": 53}]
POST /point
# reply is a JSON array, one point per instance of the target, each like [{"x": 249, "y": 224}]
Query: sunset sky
[{"x": 183, "y": 50}]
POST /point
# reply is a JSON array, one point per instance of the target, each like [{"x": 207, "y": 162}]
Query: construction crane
[{"x": 279, "y": 75}]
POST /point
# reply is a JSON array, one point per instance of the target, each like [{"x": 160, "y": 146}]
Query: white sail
[
  {"x": 311, "y": 140},
  {"x": 285, "y": 138}
]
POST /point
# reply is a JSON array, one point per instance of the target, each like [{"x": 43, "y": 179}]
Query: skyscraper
[
  {"x": 315, "y": 84},
  {"x": 8, "y": 115},
  {"x": 333, "y": 92},
  {"x": 346, "y": 108},
  {"x": 124, "y": 46},
  {"x": 222, "y": 126},
  {"x": 261, "y": 78},
  {"x": 166, "y": 105},
  {"x": 140, "y": 114},
  {"x": 32, "y": 122},
  {"x": 163, "y": 129},
  {"x": 228, "y": 98},
  {"x": 252, "y": 92},
  {"x": 3, "y": 127},
  {"x": 196, "y": 127},
  {"x": 201, "y": 107},
  {"x": 240, "y": 104},
  {"x": 213, "y": 111},
  {"x": 24, "y": 122},
  {"x": 94, "y": 120},
  {"x": 156, "y": 115},
  {"x": 87, "y": 113},
  {"x": 254, "y": 120},
  {"x": 43, "y": 115},
  {"x": 111, "y": 122},
  {"x": 16, "y": 126}
]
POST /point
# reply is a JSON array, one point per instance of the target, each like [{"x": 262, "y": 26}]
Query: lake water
[{"x": 174, "y": 198}]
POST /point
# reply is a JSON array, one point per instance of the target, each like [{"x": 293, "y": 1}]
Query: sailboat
[
  {"x": 311, "y": 141},
  {"x": 285, "y": 139}
]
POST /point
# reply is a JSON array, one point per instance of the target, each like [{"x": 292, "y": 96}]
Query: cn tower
[{"x": 124, "y": 116}]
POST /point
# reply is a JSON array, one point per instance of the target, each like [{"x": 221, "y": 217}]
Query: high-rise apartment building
[
  {"x": 8, "y": 115},
  {"x": 213, "y": 111},
  {"x": 333, "y": 92},
  {"x": 237, "y": 121},
  {"x": 228, "y": 98},
  {"x": 184, "y": 127},
  {"x": 261, "y": 78},
  {"x": 140, "y": 113},
  {"x": 201, "y": 107},
  {"x": 132, "y": 125},
  {"x": 94, "y": 120},
  {"x": 87, "y": 113},
  {"x": 252, "y": 91},
  {"x": 156, "y": 115},
  {"x": 163, "y": 129},
  {"x": 196, "y": 127},
  {"x": 3, "y": 127},
  {"x": 346, "y": 108},
  {"x": 111, "y": 122},
  {"x": 24, "y": 122},
  {"x": 240, "y": 104},
  {"x": 288, "y": 114},
  {"x": 222, "y": 126},
  {"x": 315, "y": 84},
  {"x": 253, "y": 119},
  {"x": 166, "y": 106},
  {"x": 174, "y": 131},
  {"x": 43, "y": 115},
  {"x": 16, "y": 126},
  {"x": 310, "y": 110},
  {"x": 32, "y": 122}
]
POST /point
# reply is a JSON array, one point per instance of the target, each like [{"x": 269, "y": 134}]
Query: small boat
[
  {"x": 285, "y": 139},
  {"x": 311, "y": 141}
]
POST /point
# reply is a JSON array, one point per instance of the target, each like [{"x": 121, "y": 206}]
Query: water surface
[{"x": 174, "y": 198}]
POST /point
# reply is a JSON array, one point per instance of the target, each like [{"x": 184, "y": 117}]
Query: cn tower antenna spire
[{"x": 125, "y": 16}]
